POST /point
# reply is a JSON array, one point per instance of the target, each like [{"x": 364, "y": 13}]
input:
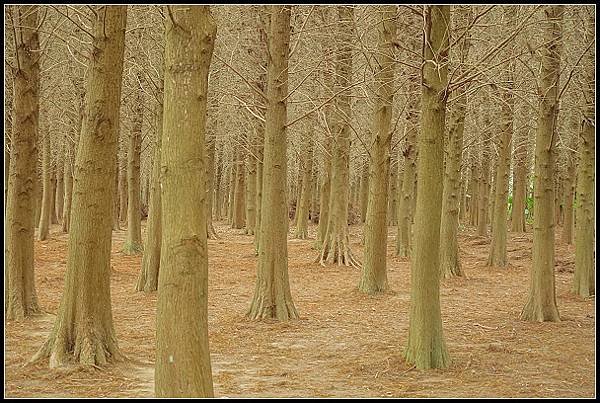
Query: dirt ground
[{"x": 345, "y": 344}]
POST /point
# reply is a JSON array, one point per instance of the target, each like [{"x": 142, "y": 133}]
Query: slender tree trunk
[
  {"x": 123, "y": 193},
  {"x": 250, "y": 185},
  {"x": 148, "y": 279},
  {"x": 68, "y": 175},
  {"x": 336, "y": 243},
  {"x": 484, "y": 191},
  {"x": 426, "y": 347},
  {"x": 59, "y": 198},
  {"x": 210, "y": 186},
  {"x": 405, "y": 210},
  {"x": 449, "y": 259},
  {"x": 541, "y": 303},
  {"x": 239, "y": 202},
  {"x": 44, "y": 225},
  {"x": 133, "y": 241},
  {"x": 183, "y": 367},
  {"x": 374, "y": 271},
  {"x": 569, "y": 195},
  {"x": 305, "y": 193},
  {"x": 272, "y": 296},
  {"x": 20, "y": 295},
  {"x": 497, "y": 256},
  {"x": 83, "y": 331},
  {"x": 364, "y": 192},
  {"x": 519, "y": 182}
]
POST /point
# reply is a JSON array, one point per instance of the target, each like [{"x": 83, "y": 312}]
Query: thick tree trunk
[
  {"x": 133, "y": 240},
  {"x": 449, "y": 259},
  {"x": 272, "y": 297},
  {"x": 20, "y": 295},
  {"x": 336, "y": 242},
  {"x": 541, "y": 303},
  {"x": 583, "y": 281},
  {"x": 83, "y": 331},
  {"x": 374, "y": 271},
  {"x": 426, "y": 347},
  {"x": 68, "y": 175},
  {"x": 183, "y": 367},
  {"x": 148, "y": 279}
]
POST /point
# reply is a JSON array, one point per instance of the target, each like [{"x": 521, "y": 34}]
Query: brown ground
[{"x": 345, "y": 344}]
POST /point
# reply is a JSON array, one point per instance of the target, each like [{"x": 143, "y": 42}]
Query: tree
[
  {"x": 335, "y": 247},
  {"x": 20, "y": 295},
  {"x": 148, "y": 279},
  {"x": 541, "y": 303},
  {"x": 44, "y": 224},
  {"x": 183, "y": 366},
  {"x": 374, "y": 272},
  {"x": 83, "y": 330},
  {"x": 583, "y": 281},
  {"x": 133, "y": 240},
  {"x": 272, "y": 297},
  {"x": 497, "y": 256},
  {"x": 426, "y": 347},
  {"x": 449, "y": 259}
]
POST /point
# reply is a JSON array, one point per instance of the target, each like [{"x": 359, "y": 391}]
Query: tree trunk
[
  {"x": 272, "y": 296},
  {"x": 519, "y": 182},
  {"x": 68, "y": 175},
  {"x": 497, "y": 256},
  {"x": 133, "y": 242},
  {"x": 59, "y": 198},
  {"x": 123, "y": 193},
  {"x": 44, "y": 225},
  {"x": 484, "y": 191},
  {"x": 583, "y": 281},
  {"x": 305, "y": 193},
  {"x": 20, "y": 295},
  {"x": 239, "y": 202},
  {"x": 210, "y": 186},
  {"x": 364, "y": 192},
  {"x": 148, "y": 279},
  {"x": 374, "y": 271},
  {"x": 336, "y": 243},
  {"x": 183, "y": 367},
  {"x": 250, "y": 185},
  {"x": 541, "y": 303},
  {"x": 405, "y": 209},
  {"x": 449, "y": 259},
  {"x": 569, "y": 195},
  {"x": 426, "y": 347},
  {"x": 83, "y": 331}
]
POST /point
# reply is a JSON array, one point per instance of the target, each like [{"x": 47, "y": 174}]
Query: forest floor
[{"x": 345, "y": 344}]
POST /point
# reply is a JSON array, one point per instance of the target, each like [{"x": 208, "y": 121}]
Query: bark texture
[
  {"x": 183, "y": 367},
  {"x": 426, "y": 347}
]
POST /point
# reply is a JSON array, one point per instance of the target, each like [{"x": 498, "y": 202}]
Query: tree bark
[
  {"x": 148, "y": 279},
  {"x": 583, "y": 281},
  {"x": 83, "y": 331},
  {"x": 272, "y": 296},
  {"x": 449, "y": 259},
  {"x": 183, "y": 367},
  {"x": 541, "y": 303},
  {"x": 426, "y": 347},
  {"x": 133, "y": 241},
  {"x": 336, "y": 242},
  {"x": 20, "y": 294},
  {"x": 305, "y": 193},
  {"x": 374, "y": 271},
  {"x": 44, "y": 225}
]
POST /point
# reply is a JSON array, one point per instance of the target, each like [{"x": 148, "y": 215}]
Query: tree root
[{"x": 336, "y": 249}]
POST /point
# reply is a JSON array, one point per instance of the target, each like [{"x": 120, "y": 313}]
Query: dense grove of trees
[{"x": 428, "y": 118}]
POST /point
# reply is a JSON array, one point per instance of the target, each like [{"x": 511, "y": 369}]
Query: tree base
[
  {"x": 536, "y": 312},
  {"x": 451, "y": 270},
  {"x": 337, "y": 250},
  {"x": 281, "y": 310},
  {"x": 434, "y": 357},
  {"x": 18, "y": 311},
  {"x": 371, "y": 287},
  {"x": 83, "y": 348}
]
